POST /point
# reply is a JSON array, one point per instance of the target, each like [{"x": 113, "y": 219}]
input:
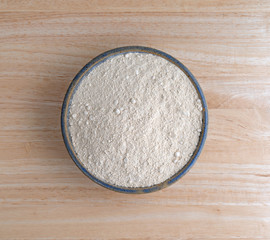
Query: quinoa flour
[{"x": 135, "y": 120}]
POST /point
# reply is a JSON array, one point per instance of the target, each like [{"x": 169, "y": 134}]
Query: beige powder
[{"x": 135, "y": 120}]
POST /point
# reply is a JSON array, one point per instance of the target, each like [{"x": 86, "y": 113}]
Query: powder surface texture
[{"x": 135, "y": 120}]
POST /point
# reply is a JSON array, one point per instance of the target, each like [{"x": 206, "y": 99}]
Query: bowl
[{"x": 65, "y": 118}]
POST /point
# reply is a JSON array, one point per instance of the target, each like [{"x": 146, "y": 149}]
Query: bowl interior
[{"x": 79, "y": 78}]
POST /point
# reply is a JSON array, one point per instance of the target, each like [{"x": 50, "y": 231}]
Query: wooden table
[{"x": 226, "y": 44}]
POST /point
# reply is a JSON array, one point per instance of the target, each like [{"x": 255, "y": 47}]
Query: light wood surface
[{"x": 225, "y": 44}]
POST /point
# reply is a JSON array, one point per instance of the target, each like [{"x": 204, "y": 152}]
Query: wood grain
[
  {"x": 137, "y": 5},
  {"x": 225, "y": 44}
]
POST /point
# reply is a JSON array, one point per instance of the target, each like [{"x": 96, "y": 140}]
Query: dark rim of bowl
[{"x": 65, "y": 112}]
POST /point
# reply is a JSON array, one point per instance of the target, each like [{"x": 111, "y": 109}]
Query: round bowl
[{"x": 65, "y": 118}]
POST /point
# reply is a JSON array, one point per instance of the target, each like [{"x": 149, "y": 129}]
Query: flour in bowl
[{"x": 135, "y": 120}]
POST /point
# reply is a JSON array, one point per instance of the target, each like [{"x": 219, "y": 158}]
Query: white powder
[{"x": 135, "y": 120}]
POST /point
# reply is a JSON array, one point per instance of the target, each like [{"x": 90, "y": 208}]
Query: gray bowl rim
[{"x": 72, "y": 88}]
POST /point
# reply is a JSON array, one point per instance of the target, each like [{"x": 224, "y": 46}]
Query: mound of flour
[{"x": 135, "y": 120}]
